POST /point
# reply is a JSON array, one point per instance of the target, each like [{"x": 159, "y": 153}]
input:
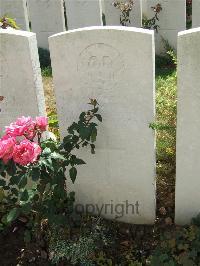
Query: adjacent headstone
[
  {"x": 172, "y": 19},
  {"x": 17, "y": 10},
  {"x": 112, "y": 14},
  {"x": 83, "y": 13},
  {"x": 47, "y": 18},
  {"x": 195, "y": 13},
  {"x": 20, "y": 76},
  {"x": 188, "y": 127},
  {"x": 115, "y": 65}
]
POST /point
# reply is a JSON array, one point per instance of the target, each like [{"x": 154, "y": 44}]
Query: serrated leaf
[
  {"x": 12, "y": 215},
  {"x": 99, "y": 117},
  {"x": 73, "y": 174}
]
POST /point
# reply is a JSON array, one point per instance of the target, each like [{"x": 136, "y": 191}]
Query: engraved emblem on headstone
[{"x": 100, "y": 64}]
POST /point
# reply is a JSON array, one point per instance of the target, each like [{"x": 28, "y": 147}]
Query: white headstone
[
  {"x": 17, "y": 10},
  {"x": 195, "y": 13},
  {"x": 112, "y": 14},
  {"x": 47, "y": 18},
  {"x": 109, "y": 64},
  {"x": 83, "y": 13},
  {"x": 188, "y": 127},
  {"x": 172, "y": 19},
  {"x": 20, "y": 76}
]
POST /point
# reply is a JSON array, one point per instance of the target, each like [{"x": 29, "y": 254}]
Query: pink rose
[
  {"x": 7, "y": 145},
  {"x": 26, "y": 152},
  {"x": 23, "y": 126},
  {"x": 41, "y": 123}
]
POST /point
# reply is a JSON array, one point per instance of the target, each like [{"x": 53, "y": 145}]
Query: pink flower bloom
[
  {"x": 23, "y": 126},
  {"x": 7, "y": 145},
  {"x": 30, "y": 132},
  {"x": 41, "y": 123},
  {"x": 26, "y": 152}
]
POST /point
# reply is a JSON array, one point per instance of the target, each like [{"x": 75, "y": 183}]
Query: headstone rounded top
[
  {"x": 104, "y": 28},
  {"x": 187, "y": 32},
  {"x": 12, "y": 31}
]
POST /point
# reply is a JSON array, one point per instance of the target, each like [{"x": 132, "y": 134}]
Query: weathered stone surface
[
  {"x": 195, "y": 13},
  {"x": 188, "y": 127},
  {"x": 172, "y": 19},
  {"x": 116, "y": 66},
  {"x": 20, "y": 76},
  {"x": 83, "y": 13},
  {"x": 112, "y": 14},
  {"x": 17, "y": 10},
  {"x": 47, "y": 18}
]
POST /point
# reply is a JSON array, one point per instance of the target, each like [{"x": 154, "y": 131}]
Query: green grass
[
  {"x": 166, "y": 104},
  {"x": 166, "y": 91},
  {"x": 46, "y": 71}
]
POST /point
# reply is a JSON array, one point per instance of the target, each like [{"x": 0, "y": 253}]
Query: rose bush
[
  {"x": 22, "y": 150},
  {"x": 44, "y": 164}
]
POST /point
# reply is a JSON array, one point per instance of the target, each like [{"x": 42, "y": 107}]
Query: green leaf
[
  {"x": 2, "y": 167},
  {"x": 3, "y": 174},
  {"x": 67, "y": 139},
  {"x": 73, "y": 174},
  {"x": 23, "y": 182},
  {"x": 75, "y": 139},
  {"x": 1, "y": 227},
  {"x": 84, "y": 132},
  {"x": 47, "y": 162},
  {"x": 57, "y": 156},
  {"x": 71, "y": 128},
  {"x": 12, "y": 215},
  {"x": 4, "y": 219},
  {"x": 82, "y": 116},
  {"x": 15, "y": 179},
  {"x": 11, "y": 169},
  {"x": 2, "y": 194},
  {"x": 46, "y": 151},
  {"x": 49, "y": 143},
  {"x": 95, "y": 110},
  {"x": 94, "y": 134},
  {"x": 24, "y": 196},
  {"x": 99, "y": 117},
  {"x": 35, "y": 173},
  {"x": 78, "y": 161},
  {"x": 92, "y": 148},
  {"x": 2, "y": 182},
  {"x": 14, "y": 191},
  {"x": 26, "y": 208}
]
